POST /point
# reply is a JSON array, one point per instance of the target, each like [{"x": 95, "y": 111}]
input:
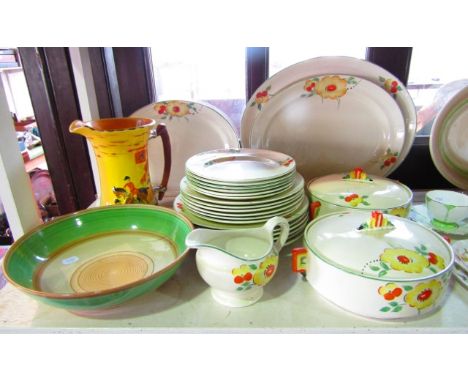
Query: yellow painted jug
[{"x": 121, "y": 149}]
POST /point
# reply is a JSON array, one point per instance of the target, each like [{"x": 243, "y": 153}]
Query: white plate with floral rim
[
  {"x": 239, "y": 210},
  {"x": 193, "y": 127},
  {"x": 297, "y": 187},
  {"x": 295, "y": 218},
  {"x": 448, "y": 142},
  {"x": 331, "y": 124},
  {"x": 241, "y": 186},
  {"x": 240, "y": 165},
  {"x": 320, "y": 66},
  {"x": 243, "y": 215}
]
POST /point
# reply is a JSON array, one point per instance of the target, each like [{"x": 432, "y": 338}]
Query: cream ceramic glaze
[
  {"x": 447, "y": 207},
  {"x": 448, "y": 142},
  {"x": 376, "y": 265},
  {"x": 321, "y": 66},
  {"x": 238, "y": 263},
  {"x": 356, "y": 124},
  {"x": 357, "y": 190},
  {"x": 186, "y": 122},
  {"x": 240, "y": 165}
]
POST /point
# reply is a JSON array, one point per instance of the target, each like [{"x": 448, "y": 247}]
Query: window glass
[
  {"x": 216, "y": 77},
  {"x": 283, "y": 57},
  {"x": 435, "y": 76}
]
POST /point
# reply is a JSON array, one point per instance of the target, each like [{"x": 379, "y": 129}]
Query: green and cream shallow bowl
[{"x": 98, "y": 258}]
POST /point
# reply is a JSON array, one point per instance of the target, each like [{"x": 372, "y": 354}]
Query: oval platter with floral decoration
[
  {"x": 329, "y": 65},
  {"x": 331, "y": 123}
]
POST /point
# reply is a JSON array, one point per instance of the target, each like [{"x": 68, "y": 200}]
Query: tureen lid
[
  {"x": 358, "y": 189},
  {"x": 378, "y": 246}
]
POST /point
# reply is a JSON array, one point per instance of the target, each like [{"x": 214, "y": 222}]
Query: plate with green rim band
[{"x": 448, "y": 142}]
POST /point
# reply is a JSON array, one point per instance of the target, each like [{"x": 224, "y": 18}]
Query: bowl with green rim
[{"x": 98, "y": 258}]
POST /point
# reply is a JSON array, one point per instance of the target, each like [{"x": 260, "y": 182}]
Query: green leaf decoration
[
  {"x": 382, "y": 273},
  {"x": 407, "y": 288},
  {"x": 245, "y": 283},
  {"x": 239, "y": 288},
  {"x": 374, "y": 268},
  {"x": 393, "y": 303},
  {"x": 365, "y": 203},
  {"x": 305, "y": 95},
  {"x": 253, "y": 103},
  {"x": 381, "y": 79},
  {"x": 249, "y": 287},
  {"x": 341, "y": 197},
  {"x": 268, "y": 88},
  {"x": 365, "y": 196},
  {"x": 423, "y": 247},
  {"x": 385, "y": 309},
  {"x": 259, "y": 106},
  {"x": 252, "y": 266},
  {"x": 385, "y": 266},
  {"x": 397, "y": 308},
  {"x": 433, "y": 269}
]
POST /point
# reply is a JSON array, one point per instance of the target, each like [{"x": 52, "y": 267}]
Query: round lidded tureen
[
  {"x": 375, "y": 265},
  {"x": 357, "y": 190}
]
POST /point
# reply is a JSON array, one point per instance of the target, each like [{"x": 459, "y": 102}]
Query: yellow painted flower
[
  {"x": 332, "y": 87},
  {"x": 310, "y": 85},
  {"x": 160, "y": 108},
  {"x": 262, "y": 97},
  {"x": 436, "y": 260},
  {"x": 424, "y": 295},
  {"x": 177, "y": 109},
  {"x": 266, "y": 270},
  {"x": 405, "y": 260},
  {"x": 399, "y": 211},
  {"x": 391, "y": 86}
]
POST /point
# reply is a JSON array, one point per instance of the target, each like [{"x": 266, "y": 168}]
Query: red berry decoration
[
  {"x": 176, "y": 109},
  {"x": 248, "y": 276},
  {"x": 387, "y": 162},
  {"x": 238, "y": 279},
  {"x": 388, "y": 296},
  {"x": 331, "y": 88},
  {"x": 432, "y": 258},
  {"x": 393, "y": 159},
  {"x": 397, "y": 292}
]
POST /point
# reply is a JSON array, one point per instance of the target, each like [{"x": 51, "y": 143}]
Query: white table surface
[{"x": 184, "y": 304}]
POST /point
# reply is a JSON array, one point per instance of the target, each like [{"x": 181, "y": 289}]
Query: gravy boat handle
[{"x": 271, "y": 224}]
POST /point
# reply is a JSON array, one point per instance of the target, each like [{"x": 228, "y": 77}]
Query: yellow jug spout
[{"x": 79, "y": 127}]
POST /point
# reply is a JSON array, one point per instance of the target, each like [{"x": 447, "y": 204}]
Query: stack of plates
[{"x": 243, "y": 188}]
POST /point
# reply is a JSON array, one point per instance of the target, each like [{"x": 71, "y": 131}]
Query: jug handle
[
  {"x": 161, "y": 131},
  {"x": 284, "y": 233}
]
